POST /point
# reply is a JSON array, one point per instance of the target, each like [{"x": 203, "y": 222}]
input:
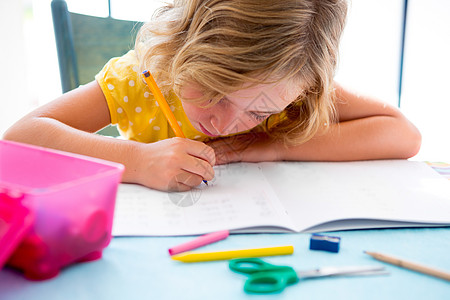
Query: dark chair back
[{"x": 85, "y": 43}]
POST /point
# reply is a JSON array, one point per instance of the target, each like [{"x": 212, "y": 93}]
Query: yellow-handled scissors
[{"x": 268, "y": 278}]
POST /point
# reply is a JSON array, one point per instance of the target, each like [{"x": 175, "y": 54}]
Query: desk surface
[{"x": 140, "y": 268}]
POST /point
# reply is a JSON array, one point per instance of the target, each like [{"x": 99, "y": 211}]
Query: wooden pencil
[
  {"x": 159, "y": 97},
  {"x": 409, "y": 265}
]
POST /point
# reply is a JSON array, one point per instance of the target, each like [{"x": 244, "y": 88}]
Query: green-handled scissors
[{"x": 268, "y": 278}]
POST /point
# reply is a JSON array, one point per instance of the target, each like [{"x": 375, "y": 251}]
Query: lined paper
[{"x": 291, "y": 196}]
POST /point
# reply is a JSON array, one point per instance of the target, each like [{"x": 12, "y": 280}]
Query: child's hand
[
  {"x": 175, "y": 164},
  {"x": 248, "y": 147}
]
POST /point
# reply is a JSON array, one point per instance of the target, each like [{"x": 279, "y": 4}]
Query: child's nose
[
  {"x": 220, "y": 124},
  {"x": 223, "y": 121}
]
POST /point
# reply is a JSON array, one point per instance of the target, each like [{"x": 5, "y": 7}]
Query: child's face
[{"x": 238, "y": 111}]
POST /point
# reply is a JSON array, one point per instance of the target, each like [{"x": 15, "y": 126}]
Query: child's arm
[
  {"x": 367, "y": 129},
  {"x": 68, "y": 122}
]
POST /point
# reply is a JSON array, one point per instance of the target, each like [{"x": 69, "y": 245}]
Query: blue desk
[{"x": 140, "y": 268}]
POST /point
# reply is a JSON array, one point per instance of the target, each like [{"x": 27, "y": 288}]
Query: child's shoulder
[{"x": 120, "y": 72}]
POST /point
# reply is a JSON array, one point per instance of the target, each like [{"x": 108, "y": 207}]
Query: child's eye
[
  {"x": 222, "y": 101},
  {"x": 257, "y": 117}
]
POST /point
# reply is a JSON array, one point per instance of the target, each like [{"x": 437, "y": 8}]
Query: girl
[{"x": 248, "y": 80}]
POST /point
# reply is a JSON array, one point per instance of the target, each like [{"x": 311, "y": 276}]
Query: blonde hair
[{"x": 220, "y": 45}]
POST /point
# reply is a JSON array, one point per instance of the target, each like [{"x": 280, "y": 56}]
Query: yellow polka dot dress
[{"x": 134, "y": 109}]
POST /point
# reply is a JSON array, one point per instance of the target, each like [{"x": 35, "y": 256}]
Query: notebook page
[
  {"x": 238, "y": 197},
  {"x": 360, "y": 194}
]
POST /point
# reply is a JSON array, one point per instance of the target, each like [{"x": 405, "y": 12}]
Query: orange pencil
[
  {"x": 163, "y": 103},
  {"x": 151, "y": 83}
]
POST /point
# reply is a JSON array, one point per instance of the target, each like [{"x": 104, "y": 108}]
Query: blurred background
[{"x": 369, "y": 63}]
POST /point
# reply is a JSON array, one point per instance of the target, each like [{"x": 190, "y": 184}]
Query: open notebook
[{"x": 291, "y": 197}]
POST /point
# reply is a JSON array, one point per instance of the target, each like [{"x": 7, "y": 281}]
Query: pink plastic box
[{"x": 56, "y": 208}]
